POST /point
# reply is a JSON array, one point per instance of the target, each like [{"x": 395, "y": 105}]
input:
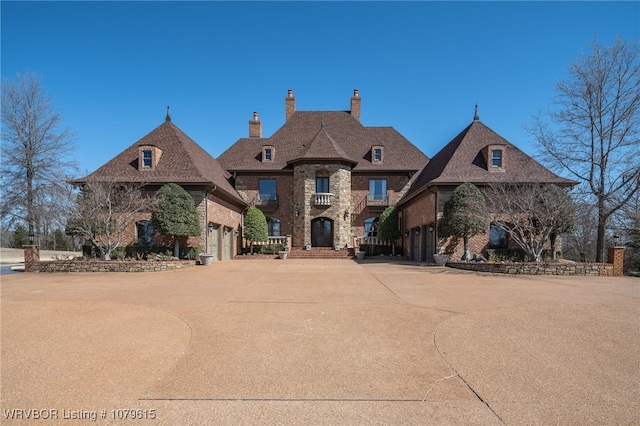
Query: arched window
[
  {"x": 497, "y": 236},
  {"x": 371, "y": 227},
  {"x": 274, "y": 226},
  {"x": 144, "y": 231}
]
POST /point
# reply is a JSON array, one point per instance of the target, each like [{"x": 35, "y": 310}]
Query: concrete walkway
[{"x": 309, "y": 342}]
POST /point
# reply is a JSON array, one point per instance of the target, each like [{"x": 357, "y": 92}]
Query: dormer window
[
  {"x": 268, "y": 153},
  {"x": 148, "y": 157},
  {"x": 377, "y": 154},
  {"x": 496, "y": 158}
]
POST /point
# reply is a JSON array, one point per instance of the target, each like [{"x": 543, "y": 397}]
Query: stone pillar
[
  {"x": 615, "y": 255},
  {"x": 31, "y": 256}
]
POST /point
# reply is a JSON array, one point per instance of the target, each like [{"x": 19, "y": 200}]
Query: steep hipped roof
[
  {"x": 343, "y": 136},
  {"x": 183, "y": 161},
  {"x": 462, "y": 160}
]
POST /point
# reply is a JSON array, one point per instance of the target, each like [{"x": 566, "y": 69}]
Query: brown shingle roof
[
  {"x": 324, "y": 147},
  {"x": 183, "y": 161},
  {"x": 461, "y": 160},
  {"x": 344, "y": 137}
]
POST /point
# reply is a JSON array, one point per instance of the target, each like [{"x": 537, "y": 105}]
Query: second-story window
[
  {"x": 267, "y": 188},
  {"x": 147, "y": 158},
  {"x": 496, "y": 158},
  {"x": 377, "y": 189},
  {"x": 322, "y": 184},
  {"x": 377, "y": 154}
]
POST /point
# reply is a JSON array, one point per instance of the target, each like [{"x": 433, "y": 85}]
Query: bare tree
[
  {"x": 531, "y": 214},
  {"x": 592, "y": 128},
  {"x": 106, "y": 211},
  {"x": 581, "y": 243},
  {"x": 35, "y": 150}
]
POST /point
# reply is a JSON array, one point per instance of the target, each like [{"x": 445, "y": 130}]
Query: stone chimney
[
  {"x": 290, "y": 104},
  {"x": 255, "y": 127},
  {"x": 355, "y": 105}
]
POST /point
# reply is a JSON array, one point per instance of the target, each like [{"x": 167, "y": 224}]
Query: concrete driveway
[{"x": 320, "y": 343}]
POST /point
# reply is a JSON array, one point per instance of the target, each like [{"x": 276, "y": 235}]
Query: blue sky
[{"x": 420, "y": 67}]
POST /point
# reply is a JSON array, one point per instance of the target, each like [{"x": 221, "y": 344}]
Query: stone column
[
  {"x": 31, "y": 256},
  {"x": 615, "y": 255}
]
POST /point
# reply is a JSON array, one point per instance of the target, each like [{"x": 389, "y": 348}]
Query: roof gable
[{"x": 183, "y": 162}]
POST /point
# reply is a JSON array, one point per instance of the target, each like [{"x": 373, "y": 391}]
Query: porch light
[{"x": 296, "y": 213}]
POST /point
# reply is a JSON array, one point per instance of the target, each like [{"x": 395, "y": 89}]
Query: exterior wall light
[{"x": 296, "y": 213}]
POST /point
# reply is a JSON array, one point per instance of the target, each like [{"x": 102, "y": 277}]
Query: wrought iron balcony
[
  {"x": 322, "y": 199},
  {"x": 266, "y": 202},
  {"x": 377, "y": 201}
]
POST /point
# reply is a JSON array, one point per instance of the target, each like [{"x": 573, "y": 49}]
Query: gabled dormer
[
  {"x": 148, "y": 157},
  {"x": 268, "y": 153},
  {"x": 377, "y": 154},
  {"x": 496, "y": 157}
]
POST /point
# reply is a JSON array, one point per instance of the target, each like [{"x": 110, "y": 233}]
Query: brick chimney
[
  {"x": 355, "y": 105},
  {"x": 290, "y": 104},
  {"x": 255, "y": 127}
]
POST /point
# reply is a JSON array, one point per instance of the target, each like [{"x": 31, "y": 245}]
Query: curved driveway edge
[{"x": 322, "y": 342}]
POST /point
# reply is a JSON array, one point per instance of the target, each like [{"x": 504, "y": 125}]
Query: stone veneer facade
[{"x": 304, "y": 190}]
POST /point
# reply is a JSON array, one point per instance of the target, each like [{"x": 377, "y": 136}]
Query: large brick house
[
  {"x": 168, "y": 155},
  {"x": 323, "y": 177},
  {"x": 476, "y": 155}
]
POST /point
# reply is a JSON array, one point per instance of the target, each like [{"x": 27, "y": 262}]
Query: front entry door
[{"x": 322, "y": 232}]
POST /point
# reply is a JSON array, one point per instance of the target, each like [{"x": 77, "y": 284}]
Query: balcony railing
[
  {"x": 322, "y": 199},
  {"x": 266, "y": 202},
  {"x": 377, "y": 200}
]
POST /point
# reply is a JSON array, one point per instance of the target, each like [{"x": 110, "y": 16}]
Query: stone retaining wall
[
  {"x": 110, "y": 266},
  {"x": 585, "y": 269}
]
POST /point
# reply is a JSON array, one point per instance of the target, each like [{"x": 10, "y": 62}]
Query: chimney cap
[
  {"x": 290, "y": 93},
  {"x": 255, "y": 116},
  {"x": 355, "y": 93}
]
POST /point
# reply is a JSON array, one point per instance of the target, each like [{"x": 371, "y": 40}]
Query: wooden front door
[{"x": 322, "y": 232}]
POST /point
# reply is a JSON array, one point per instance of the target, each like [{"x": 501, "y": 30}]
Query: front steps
[{"x": 321, "y": 253}]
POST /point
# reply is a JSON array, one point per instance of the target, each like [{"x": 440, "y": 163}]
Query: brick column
[
  {"x": 615, "y": 255},
  {"x": 31, "y": 255}
]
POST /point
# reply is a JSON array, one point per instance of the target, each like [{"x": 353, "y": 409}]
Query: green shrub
[{"x": 505, "y": 255}]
